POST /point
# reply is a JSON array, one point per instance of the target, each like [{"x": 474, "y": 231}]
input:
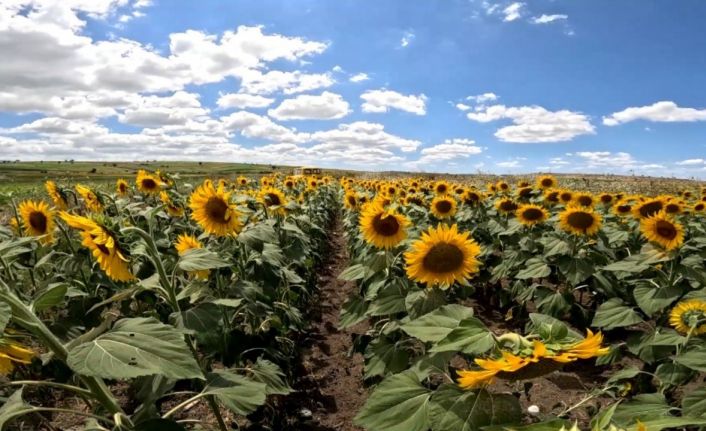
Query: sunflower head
[
  {"x": 606, "y": 198},
  {"x": 660, "y": 228},
  {"x": 524, "y": 192},
  {"x": 212, "y": 210},
  {"x": 442, "y": 256},
  {"x": 530, "y": 215},
  {"x": 186, "y": 242},
  {"x": 505, "y": 206},
  {"x": 502, "y": 186},
  {"x": 546, "y": 182},
  {"x": 415, "y": 199},
  {"x": 173, "y": 209},
  {"x": 441, "y": 187},
  {"x": 91, "y": 200},
  {"x": 472, "y": 197},
  {"x": 122, "y": 187},
  {"x": 37, "y": 220},
  {"x": 648, "y": 207},
  {"x": 57, "y": 195},
  {"x": 700, "y": 207},
  {"x": 148, "y": 183},
  {"x": 12, "y": 353},
  {"x": 580, "y": 220},
  {"x": 689, "y": 316},
  {"x": 566, "y": 196},
  {"x": 381, "y": 227},
  {"x": 350, "y": 200},
  {"x": 622, "y": 208},
  {"x": 673, "y": 207},
  {"x": 551, "y": 196},
  {"x": 273, "y": 199},
  {"x": 443, "y": 206},
  {"x": 584, "y": 199}
]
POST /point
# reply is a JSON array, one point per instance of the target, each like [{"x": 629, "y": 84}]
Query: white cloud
[
  {"x": 664, "y": 111},
  {"x": 451, "y": 149},
  {"x": 534, "y": 123},
  {"x": 691, "y": 162},
  {"x": 362, "y": 135},
  {"x": 462, "y": 107},
  {"x": 607, "y": 159},
  {"x": 176, "y": 109},
  {"x": 242, "y": 100},
  {"x": 383, "y": 100},
  {"x": 513, "y": 11},
  {"x": 326, "y": 106},
  {"x": 260, "y": 127},
  {"x": 359, "y": 77},
  {"x": 407, "y": 38},
  {"x": 256, "y": 82},
  {"x": 509, "y": 164},
  {"x": 546, "y": 19},
  {"x": 482, "y": 98}
]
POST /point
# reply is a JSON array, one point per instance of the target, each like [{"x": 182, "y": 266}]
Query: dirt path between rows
[{"x": 330, "y": 384}]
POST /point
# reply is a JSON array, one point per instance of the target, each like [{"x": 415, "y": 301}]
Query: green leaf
[
  {"x": 694, "y": 403},
  {"x": 52, "y": 296},
  {"x": 13, "y": 408},
  {"x": 638, "y": 262},
  {"x": 694, "y": 358},
  {"x": 625, "y": 374},
  {"x": 204, "y": 317},
  {"x": 389, "y": 301},
  {"x": 399, "y": 403},
  {"x": 642, "y": 407},
  {"x": 613, "y": 314},
  {"x": 471, "y": 337},
  {"x": 159, "y": 425},
  {"x": 229, "y": 302},
  {"x": 353, "y": 272},
  {"x": 423, "y": 301},
  {"x": 353, "y": 311},
  {"x": 673, "y": 374},
  {"x": 547, "y": 425},
  {"x": 436, "y": 325},
  {"x": 270, "y": 374},
  {"x": 136, "y": 347},
  {"x": 431, "y": 363},
  {"x": 237, "y": 393},
  {"x": 554, "y": 246},
  {"x": 534, "y": 268},
  {"x": 383, "y": 357},
  {"x": 658, "y": 424},
  {"x": 199, "y": 259},
  {"x": 452, "y": 408},
  {"x": 576, "y": 270},
  {"x": 651, "y": 298},
  {"x": 542, "y": 320},
  {"x": 5, "y": 315}
]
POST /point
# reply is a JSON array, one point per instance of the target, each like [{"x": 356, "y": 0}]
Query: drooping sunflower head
[
  {"x": 186, "y": 242},
  {"x": 415, "y": 199},
  {"x": 273, "y": 199},
  {"x": 522, "y": 184},
  {"x": 122, "y": 187},
  {"x": 622, "y": 208},
  {"x": 551, "y": 196},
  {"x": 689, "y": 316},
  {"x": 580, "y": 220},
  {"x": 443, "y": 256},
  {"x": 173, "y": 209},
  {"x": 524, "y": 192},
  {"x": 443, "y": 206},
  {"x": 148, "y": 183},
  {"x": 648, "y": 207},
  {"x": 37, "y": 220},
  {"x": 472, "y": 197},
  {"x": 660, "y": 228},
  {"x": 505, "y": 206},
  {"x": 12, "y": 353},
  {"x": 57, "y": 195},
  {"x": 381, "y": 227},
  {"x": 546, "y": 182},
  {"x": 492, "y": 188},
  {"x": 566, "y": 196},
  {"x": 584, "y": 199},
  {"x": 90, "y": 199},
  {"x": 212, "y": 210},
  {"x": 530, "y": 215},
  {"x": 441, "y": 187}
]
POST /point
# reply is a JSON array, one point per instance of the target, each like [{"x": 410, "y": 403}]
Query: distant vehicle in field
[{"x": 307, "y": 171}]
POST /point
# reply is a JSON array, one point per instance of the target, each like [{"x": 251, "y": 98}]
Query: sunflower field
[{"x": 164, "y": 305}]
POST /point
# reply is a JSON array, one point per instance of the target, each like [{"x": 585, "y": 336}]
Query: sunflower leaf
[
  {"x": 534, "y": 268},
  {"x": 199, "y": 259},
  {"x": 436, "y": 325},
  {"x": 452, "y": 408},
  {"x": 614, "y": 314}
]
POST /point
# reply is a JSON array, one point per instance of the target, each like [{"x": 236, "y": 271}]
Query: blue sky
[{"x": 446, "y": 86}]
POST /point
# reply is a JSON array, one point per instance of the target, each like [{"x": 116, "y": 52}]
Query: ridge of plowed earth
[{"x": 329, "y": 383}]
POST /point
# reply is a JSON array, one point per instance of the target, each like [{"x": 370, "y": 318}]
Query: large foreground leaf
[
  {"x": 452, "y": 408},
  {"x": 436, "y": 325},
  {"x": 237, "y": 393},
  {"x": 133, "y": 348},
  {"x": 400, "y": 403},
  {"x": 614, "y": 314}
]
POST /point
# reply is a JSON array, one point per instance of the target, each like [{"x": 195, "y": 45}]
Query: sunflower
[
  {"x": 648, "y": 208},
  {"x": 383, "y": 228},
  {"x": 443, "y": 207},
  {"x": 502, "y": 186},
  {"x": 580, "y": 220},
  {"x": 551, "y": 196},
  {"x": 186, "y": 242},
  {"x": 122, "y": 187},
  {"x": 273, "y": 199},
  {"x": 15, "y": 225},
  {"x": 546, "y": 182},
  {"x": 103, "y": 246},
  {"x": 689, "y": 316},
  {"x": 660, "y": 228},
  {"x": 441, "y": 187},
  {"x": 584, "y": 199},
  {"x": 92, "y": 201},
  {"x": 37, "y": 220},
  {"x": 622, "y": 207},
  {"x": 242, "y": 181},
  {"x": 415, "y": 199},
  {"x": 700, "y": 207},
  {"x": 472, "y": 197},
  {"x": 57, "y": 195},
  {"x": 530, "y": 215},
  {"x": 212, "y": 210},
  {"x": 350, "y": 200},
  {"x": 673, "y": 207},
  {"x": 531, "y": 361},
  {"x": 606, "y": 198},
  {"x": 505, "y": 206},
  {"x": 173, "y": 209},
  {"x": 12, "y": 353},
  {"x": 289, "y": 183},
  {"x": 566, "y": 196},
  {"x": 443, "y": 256},
  {"x": 524, "y": 192},
  {"x": 148, "y": 183}
]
